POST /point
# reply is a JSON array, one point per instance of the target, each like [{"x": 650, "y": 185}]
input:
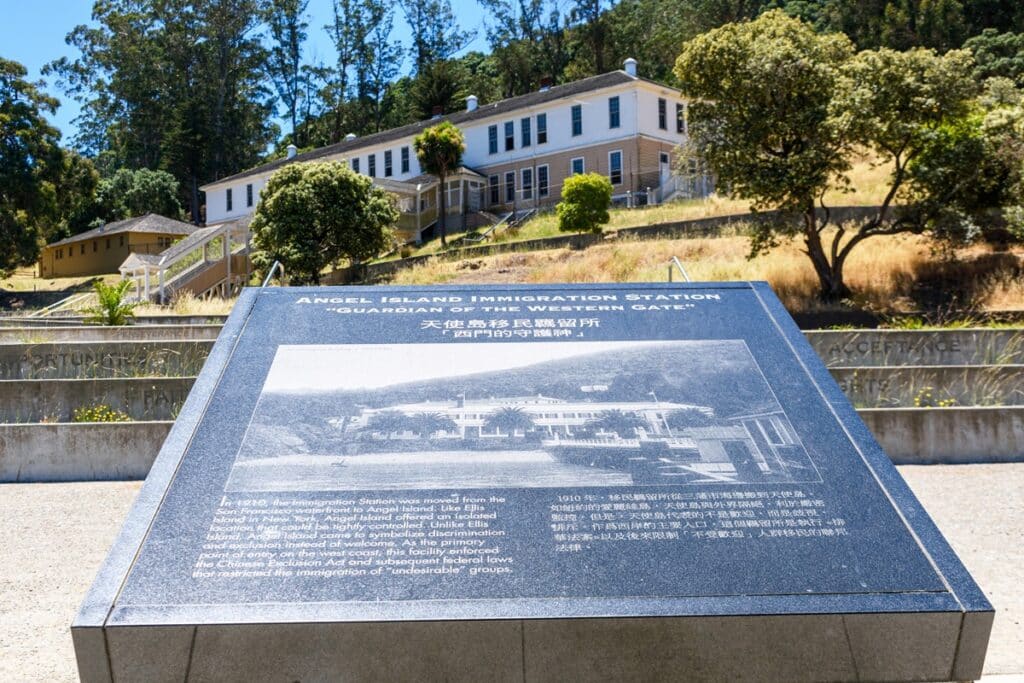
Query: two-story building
[{"x": 518, "y": 152}]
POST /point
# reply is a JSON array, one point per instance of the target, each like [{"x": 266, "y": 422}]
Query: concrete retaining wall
[
  {"x": 55, "y": 400},
  {"x": 79, "y": 452},
  {"x": 913, "y": 436},
  {"x": 102, "y": 359},
  {"x": 66, "y": 320},
  {"x": 965, "y": 385},
  {"x": 860, "y": 348},
  {"x": 85, "y": 452},
  {"x": 96, "y": 333}
]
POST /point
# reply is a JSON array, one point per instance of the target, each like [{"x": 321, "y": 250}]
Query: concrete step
[
  {"x": 84, "y": 360},
  {"x": 860, "y": 348},
  {"x": 923, "y": 385},
  {"x": 88, "y": 451},
  {"x": 73, "y": 320},
  {"x": 55, "y": 400},
  {"x": 97, "y": 333}
]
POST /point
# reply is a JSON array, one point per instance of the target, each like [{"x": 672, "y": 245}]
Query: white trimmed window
[
  {"x": 577, "y": 166},
  {"x": 542, "y": 181},
  {"x": 615, "y": 167}
]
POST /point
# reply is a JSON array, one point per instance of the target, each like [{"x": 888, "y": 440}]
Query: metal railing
[
  {"x": 67, "y": 302},
  {"x": 675, "y": 263},
  {"x": 274, "y": 267}
]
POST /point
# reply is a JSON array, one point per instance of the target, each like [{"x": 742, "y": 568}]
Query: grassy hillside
[
  {"x": 868, "y": 179},
  {"x": 888, "y": 274}
]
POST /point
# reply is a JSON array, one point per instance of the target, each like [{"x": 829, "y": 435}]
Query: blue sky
[{"x": 32, "y": 32}]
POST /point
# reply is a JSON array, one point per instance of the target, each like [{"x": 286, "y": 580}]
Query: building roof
[
  {"x": 139, "y": 261},
  {"x": 483, "y": 111},
  {"x": 151, "y": 222}
]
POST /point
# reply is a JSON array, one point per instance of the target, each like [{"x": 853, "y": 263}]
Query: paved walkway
[{"x": 56, "y": 535}]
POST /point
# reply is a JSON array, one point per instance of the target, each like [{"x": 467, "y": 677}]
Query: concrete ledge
[
  {"x": 965, "y": 385},
  {"x": 89, "y": 451},
  {"x": 69, "y": 320},
  {"x": 103, "y": 359},
  {"x": 125, "y": 450},
  {"x": 860, "y": 348},
  {"x": 54, "y": 400},
  {"x": 98, "y": 333},
  {"x": 921, "y": 436}
]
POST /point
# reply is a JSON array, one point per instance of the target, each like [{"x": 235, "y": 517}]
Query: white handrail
[
  {"x": 276, "y": 265},
  {"x": 676, "y": 263}
]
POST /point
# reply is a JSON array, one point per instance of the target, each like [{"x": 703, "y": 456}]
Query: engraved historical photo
[{"x": 519, "y": 414}]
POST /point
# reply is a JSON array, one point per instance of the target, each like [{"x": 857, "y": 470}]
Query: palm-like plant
[
  {"x": 390, "y": 422},
  {"x": 111, "y": 308},
  {"x": 623, "y": 424},
  {"x": 439, "y": 150},
  {"x": 509, "y": 420},
  {"x": 428, "y": 424},
  {"x": 689, "y": 417}
]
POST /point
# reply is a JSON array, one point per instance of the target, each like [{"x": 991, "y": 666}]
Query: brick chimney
[{"x": 437, "y": 111}]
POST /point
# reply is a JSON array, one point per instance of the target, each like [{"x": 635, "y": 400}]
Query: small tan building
[{"x": 100, "y": 251}]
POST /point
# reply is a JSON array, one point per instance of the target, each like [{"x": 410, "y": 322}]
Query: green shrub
[
  {"x": 99, "y": 412},
  {"x": 585, "y": 201},
  {"x": 111, "y": 309}
]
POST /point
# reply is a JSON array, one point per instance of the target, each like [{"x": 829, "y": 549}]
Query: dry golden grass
[
  {"x": 25, "y": 280},
  {"x": 185, "y": 303},
  {"x": 886, "y": 273},
  {"x": 869, "y": 180}
]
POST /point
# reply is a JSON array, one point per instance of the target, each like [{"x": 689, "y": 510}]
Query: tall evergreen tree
[
  {"x": 436, "y": 35},
  {"x": 172, "y": 84},
  {"x": 30, "y": 165},
  {"x": 286, "y": 23}
]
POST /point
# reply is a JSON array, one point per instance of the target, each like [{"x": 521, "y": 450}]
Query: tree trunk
[
  {"x": 441, "y": 203},
  {"x": 831, "y": 287}
]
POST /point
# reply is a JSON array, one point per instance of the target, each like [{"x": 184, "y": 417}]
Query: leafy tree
[
  {"x": 899, "y": 103},
  {"x": 968, "y": 167},
  {"x": 313, "y": 214},
  {"x": 439, "y": 150},
  {"x": 585, "y": 201},
  {"x": 135, "y": 193},
  {"x": 77, "y": 209},
  {"x": 31, "y": 164},
  {"x": 111, "y": 307},
  {"x": 998, "y": 54},
  {"x": 779, "y": 109}
]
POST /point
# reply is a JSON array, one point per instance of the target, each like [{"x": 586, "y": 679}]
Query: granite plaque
[{"x": 525, "y": 483}]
